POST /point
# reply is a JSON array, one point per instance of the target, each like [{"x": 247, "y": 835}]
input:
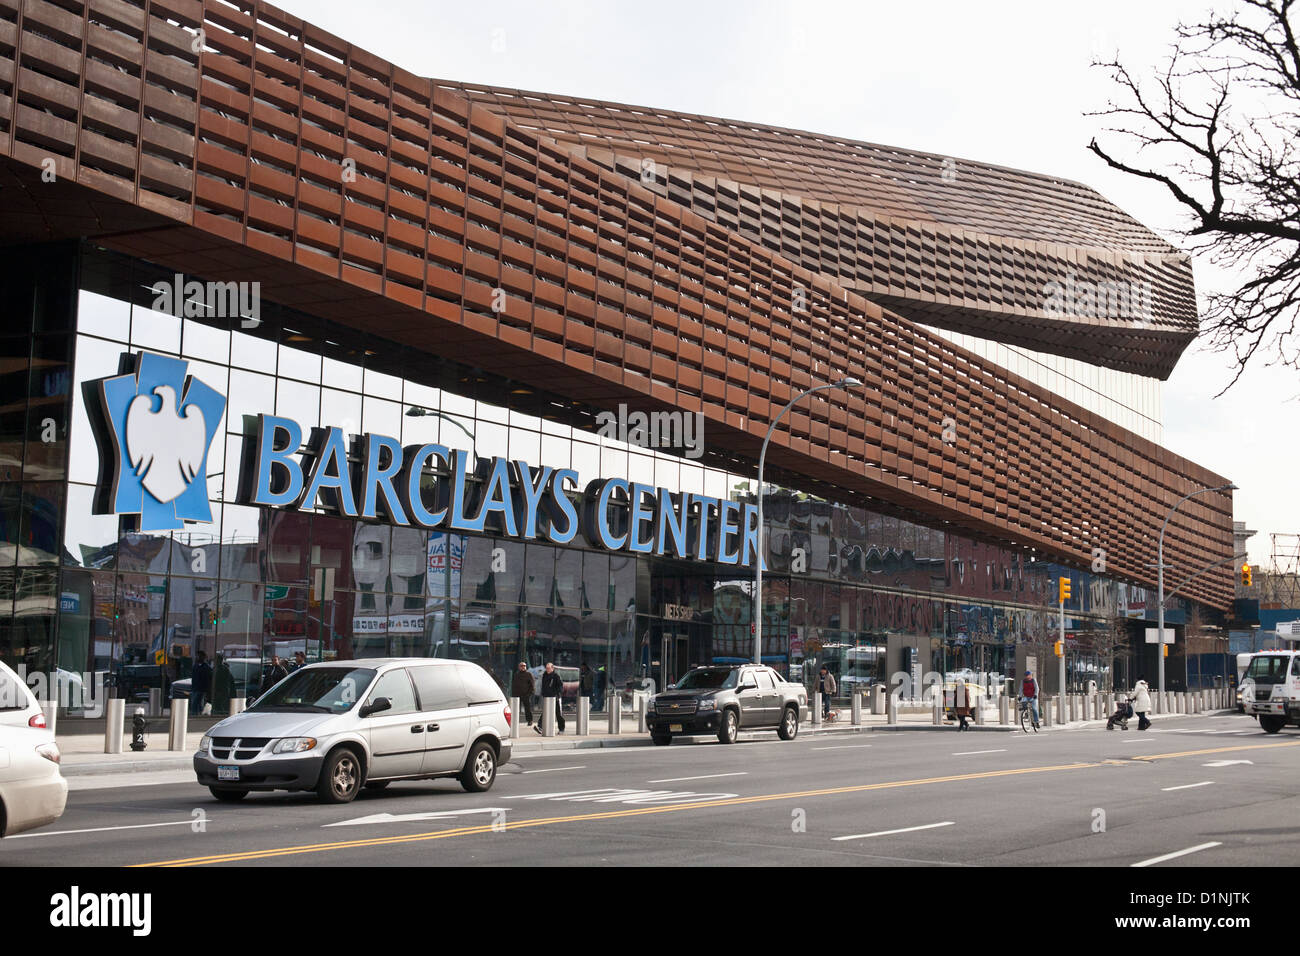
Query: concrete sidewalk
[{"x": 83, "y": 753}]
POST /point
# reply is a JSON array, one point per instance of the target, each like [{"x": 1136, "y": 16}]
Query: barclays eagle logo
[{"x": 155, "y": 426}]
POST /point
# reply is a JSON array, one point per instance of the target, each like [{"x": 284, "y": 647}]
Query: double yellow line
[{"x": 249, "y": 855}]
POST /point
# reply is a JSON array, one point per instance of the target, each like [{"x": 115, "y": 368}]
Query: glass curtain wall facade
[{"x": 868, "y": 593}]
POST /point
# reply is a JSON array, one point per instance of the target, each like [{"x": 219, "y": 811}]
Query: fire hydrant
[{"x": 138, "y": 726}]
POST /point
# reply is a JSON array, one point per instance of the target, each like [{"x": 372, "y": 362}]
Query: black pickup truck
[{"x": 724, "y": 701}]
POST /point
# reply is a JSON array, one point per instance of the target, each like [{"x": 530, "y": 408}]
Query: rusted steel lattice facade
[{"x": 748, "y": 264}]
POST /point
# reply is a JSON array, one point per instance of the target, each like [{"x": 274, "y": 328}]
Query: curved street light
[
  {"x": 758, "y": 558},
  {"x": 1160, "y": 579}
]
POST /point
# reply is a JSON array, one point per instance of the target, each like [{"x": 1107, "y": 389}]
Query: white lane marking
[
  {"x": 407, "y": 817},
  {"x": 1225, "y": 763},
  {"x": 967, "y": 753},
  {"x": 133, "y": 826},
  {"x": 1172, "y": 856},
  {"x": 864, "y": 836},
  {"x": 703, "y": 776},
  {"x": 1137, "y": 740},
  {"x": 842, "y": 747},
  {"x": 553, "y": 769},
  {"x": 1188, "y": 786}
]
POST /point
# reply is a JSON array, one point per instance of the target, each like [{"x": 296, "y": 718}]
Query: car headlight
[
  {"x": 205, "y": 744},
  {"x": 708, "y": 703},
  {"x": 294, "y": 745},
  {"x": 50, "y": 752}
]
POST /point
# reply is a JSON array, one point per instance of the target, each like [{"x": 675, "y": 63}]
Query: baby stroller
[{"x": 1122, "y": 714}]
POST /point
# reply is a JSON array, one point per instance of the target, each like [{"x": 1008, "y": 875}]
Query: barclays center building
[{"x": 305, "y": 352}]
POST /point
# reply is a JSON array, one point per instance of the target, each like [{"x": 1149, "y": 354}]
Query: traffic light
[
  {"x": 1063, "y": 587},
  {"x": 1246, "y": 575},
  {"x": 1058, "y": 648}
]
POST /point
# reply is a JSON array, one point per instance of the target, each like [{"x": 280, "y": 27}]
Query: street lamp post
[
  {"x": 758, "y": 558},
  {"x": 1160, "y": 580}
]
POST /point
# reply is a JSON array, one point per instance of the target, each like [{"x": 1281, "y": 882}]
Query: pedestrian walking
[
  {"x": 826, "y": 685},
  {"x": 274, "y": 674},
  {"x": 552, "y": 687},
  {"x": 200, "y": 683},
  {"x": 598, "y": 693},
  {"x": 299, "y": 660},
  {"x": 1142, "y": 703},
  {"x": 523, "y": 687},
  {"x": 961, "y": 703},
  {"x": 587, "y": 684},
  {"x": 223, "y": 687}
]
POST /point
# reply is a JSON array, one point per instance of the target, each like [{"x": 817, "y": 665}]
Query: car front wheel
[
  {"x": 340, "y": 778},
  {"x": 730, "y": 728}
]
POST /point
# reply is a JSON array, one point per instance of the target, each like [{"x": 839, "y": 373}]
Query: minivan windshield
[
  {"x": 323, "y": 690},
  {"x": 1267, "y": 669},
  {"x": 708, "y": 679}
]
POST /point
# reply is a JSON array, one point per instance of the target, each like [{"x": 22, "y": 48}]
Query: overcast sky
[{"x": 1005, "y": 83}]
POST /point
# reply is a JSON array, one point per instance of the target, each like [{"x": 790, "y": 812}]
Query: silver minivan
[{"x": 338, "y": 726}]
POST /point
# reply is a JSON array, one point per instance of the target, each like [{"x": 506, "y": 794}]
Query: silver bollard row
[
  {"x": 584, "y": 716},
  {"x": 179, "y": 725},
  {"x": 114, "y": 717}
]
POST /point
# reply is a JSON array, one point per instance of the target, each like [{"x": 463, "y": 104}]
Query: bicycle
[{"x": 1027, "y": 715}]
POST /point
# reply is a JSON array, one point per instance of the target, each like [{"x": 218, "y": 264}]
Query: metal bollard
[
  {"x": 978, "y": 710},
  {"x": 817, "y": 708},
  {"x": 936, "y": 711},
  {"x": 50, "y": 708},
  {"x": 180, "y": 725},
  {"x": 114, "y": 717},
  {"x": 856, "y": 713},
  {"x": 238, "y": 705},
  {"x": 1004, "y": 710},
  {"x": 891, "y": 709},
  {"x": 514, "y": 718},
  {"x": 584, "y": 716},
  {"x": 640, "y": 715},
  {"x": 548, "y": 716},
  {"x": 1045, "y": 711},
  {"x": 615, "y": 713}
]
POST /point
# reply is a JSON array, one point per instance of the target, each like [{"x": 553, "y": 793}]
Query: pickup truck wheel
[
  {"x": 662, "y": 740},
  {"x": 789, "y": 724},
  {"x": 1271, "y": 723},
  {"x": 730, "y": 728}
]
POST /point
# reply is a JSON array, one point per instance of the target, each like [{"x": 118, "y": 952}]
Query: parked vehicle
[
  {"x": 18, "y": 705},
  {"x": 33, "y": 792},
  {"x": 726, "y": 700},
  {"x": 1275, "y": 689},
  {"x": 339, "y": 726}
]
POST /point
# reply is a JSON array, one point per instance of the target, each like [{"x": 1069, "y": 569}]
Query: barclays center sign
[{"x": 154, "y": 425}]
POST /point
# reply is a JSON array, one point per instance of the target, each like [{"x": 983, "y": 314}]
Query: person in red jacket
[{"x": 1029, "y": 691}]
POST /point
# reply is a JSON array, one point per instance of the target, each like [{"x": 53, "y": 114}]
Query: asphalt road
[{"x": 1078, "y": 797}]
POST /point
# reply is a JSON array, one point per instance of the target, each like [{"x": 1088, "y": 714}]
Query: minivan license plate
[
  {"x": 227, "y": 773},
  {"x": 672, "y": 728}
]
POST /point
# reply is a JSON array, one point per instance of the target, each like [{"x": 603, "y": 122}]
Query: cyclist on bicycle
[{"x": 1029, "y": 692}]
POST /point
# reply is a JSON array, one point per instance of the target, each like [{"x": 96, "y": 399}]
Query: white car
[
  {"x": 18, "y": 705},
  {"x": 32, "y": 790}
]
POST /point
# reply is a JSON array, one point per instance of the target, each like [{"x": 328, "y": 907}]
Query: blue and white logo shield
[{"x": 162, "y": 423}]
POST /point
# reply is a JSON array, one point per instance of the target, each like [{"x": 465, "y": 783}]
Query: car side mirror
[
  {"x": 376, "y": 706},
  {"x": 747, "y": 687}
]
